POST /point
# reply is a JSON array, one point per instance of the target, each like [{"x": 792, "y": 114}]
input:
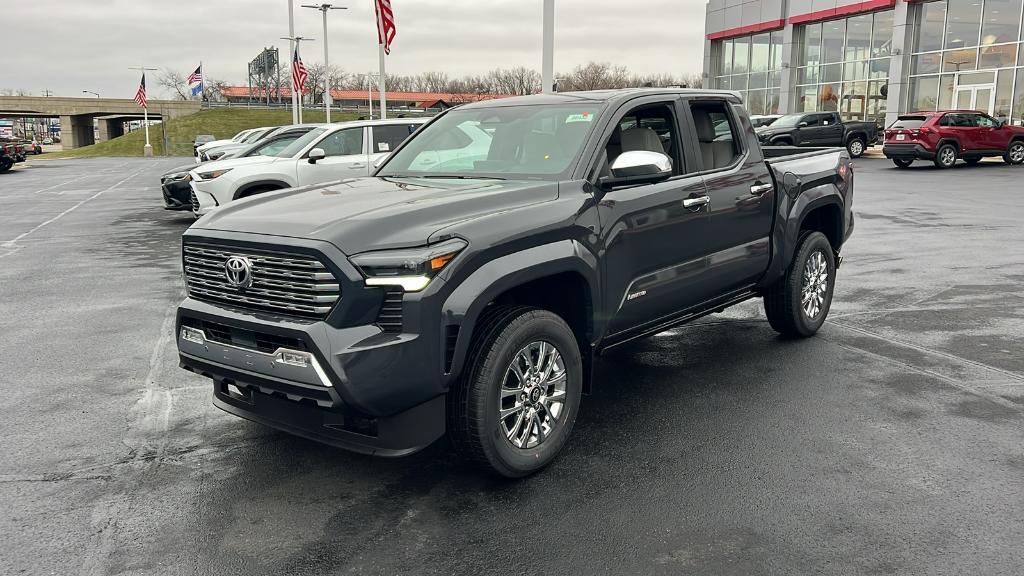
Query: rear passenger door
[
  {"x": 385, "y": 138},
  {"x": 742, "y": 198},
  {"x": 832, "y": 132}
]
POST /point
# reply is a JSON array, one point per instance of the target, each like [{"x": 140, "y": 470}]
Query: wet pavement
[{"x": 891, "y": 443}]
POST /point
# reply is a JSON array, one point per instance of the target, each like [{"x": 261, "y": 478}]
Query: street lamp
[
  {"x": 323, "y": 8},
  {"x": 96, "y": 94}
]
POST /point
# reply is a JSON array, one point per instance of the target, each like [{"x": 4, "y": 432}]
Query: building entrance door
[{"x": 980, "y": 97}]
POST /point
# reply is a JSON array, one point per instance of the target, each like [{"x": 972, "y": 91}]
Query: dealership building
[{"x": 868, "y": 60}]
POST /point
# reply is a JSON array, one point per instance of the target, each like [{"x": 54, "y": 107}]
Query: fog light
[
  {"x": 300, "y": 359},
  {"x": 193, "y": 335}
]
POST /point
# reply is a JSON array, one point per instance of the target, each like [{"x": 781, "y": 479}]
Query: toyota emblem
[{"x": 238, "y": 271}]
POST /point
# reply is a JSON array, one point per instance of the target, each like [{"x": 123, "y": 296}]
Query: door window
[
  {"x": 810, "y": 121},
  {"x": 345, "y": 142},
  {"x": 650, "y": 127},
  {"x": 716, "y": 132},
  {"x": 984, "y": 121},
  {"x": 388, "y": 138}
]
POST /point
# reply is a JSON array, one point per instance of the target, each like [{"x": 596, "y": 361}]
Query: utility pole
[
  {"x": 47, "y": 93},
  {"x": 547, "y": 82},
  {"x": 291, "y": 55},
  {"x": 297, "y": 90},
  {"x": 327, "y": 69},
  {"x": 147, "y": 150}
]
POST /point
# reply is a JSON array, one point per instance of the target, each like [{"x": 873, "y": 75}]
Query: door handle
[
  {"x": 696, "y": 202},
  {"x": 358, "y": 165},
  {"x": 761, "y": 189}
]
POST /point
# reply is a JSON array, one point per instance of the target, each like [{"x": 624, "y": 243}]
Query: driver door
[{"x": 346, "y": 156}]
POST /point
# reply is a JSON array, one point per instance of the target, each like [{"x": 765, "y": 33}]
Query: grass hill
[{"x": 221, "y": 122}]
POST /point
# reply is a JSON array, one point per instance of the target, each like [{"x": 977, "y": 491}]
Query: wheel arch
[
  {"x": 248, "y": 187},
  {"x": 560, "y": 277}
]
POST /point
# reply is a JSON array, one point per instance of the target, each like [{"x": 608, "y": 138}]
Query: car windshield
[
  {"x": 499, "y": 142},
  {"x": 787, "y": 121},
  {"x": 271, "y": 148},
  {"x": 254, "y": 136},
  {"x": 293, "y": 149}
]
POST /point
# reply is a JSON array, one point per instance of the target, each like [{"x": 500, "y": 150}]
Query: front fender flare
[{"x": 465, "y": 304}]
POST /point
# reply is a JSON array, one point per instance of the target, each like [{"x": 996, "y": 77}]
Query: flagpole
[
  {"x": 147, "y": 150},
  {"x": 381, "y": 86},
  {"x": 547, "y": 82},
  {"x": 296, "y": 115}
]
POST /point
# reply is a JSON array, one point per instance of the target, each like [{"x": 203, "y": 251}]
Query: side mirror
[
  {"x": 802, "y": 125},
  {"x": 638, "y": 167},
  {"x": 316, "y": 154},
  {"x": 380, "y": 161}
]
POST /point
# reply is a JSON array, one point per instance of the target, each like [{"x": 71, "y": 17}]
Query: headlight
[
  {"x": 213, "y": 174},
  {"x": 410, "y": 268},
  {"x": 175, "y": 177}
]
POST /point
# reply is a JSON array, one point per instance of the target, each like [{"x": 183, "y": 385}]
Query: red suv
[{"x": 943, "y": 137}]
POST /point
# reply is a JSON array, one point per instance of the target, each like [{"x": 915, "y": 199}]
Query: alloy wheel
[
  {"x": 1017, "y": 152},
  {"x": 532, "y": 396},
  {"x": 856, "y": 148},
  {"x": 947, "y": 156},
  {"x": 814, "y": 285}
]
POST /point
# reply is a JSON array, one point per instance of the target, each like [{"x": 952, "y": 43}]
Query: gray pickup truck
[{"x": 471, "y": 284}]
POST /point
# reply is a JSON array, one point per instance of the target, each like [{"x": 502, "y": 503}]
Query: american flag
[
  {"x": 140, "y": 94},
  {"x": 385, "y": 24},
  {"x": 299, "y": 73},
  {"x": 196, "y": 76}
]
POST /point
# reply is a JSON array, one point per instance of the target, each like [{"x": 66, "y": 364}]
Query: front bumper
[
  {"x": 176, "y": 194},
  {"x": 907, "y": 151},
  {"x": 200, "y": 202},
  {"x": 362, "y": 388}
]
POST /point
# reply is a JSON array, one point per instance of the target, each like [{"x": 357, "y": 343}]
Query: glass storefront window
[
  {"x": 741, "y": 55},
  {"x": 854, "y": 102},
  {"x": 1004, "y": 95},
  {"x": 738, "y": 82},
  {"x": 1000, "y": 21},
  {"x": 858, "y": 38},
  {"x": 923, "y": 93},
  {"x": 933, "y": 22},
  {"x": 962, "y": 23},
  {"x": 926, "y": 63},
  {"x": 957, "y": 60},
  {"x": 828, "y": 97},
  {"x": 812, "y": 44},
  {"x": 946, "y": 82},
  {"x": 776, "y": 60},
  {"x": 807, "y": 75},
  {"x": 760, "y": 52},
  {"x": 877, "y": 99},
  {"x": 758, "y": 80},
  {"x": 879, "y": 68},
  {"x": 727, "y": 57},
  {"x": 832, "y": 41},
  {"x": 724, "y": 83},
  {"x": 773, "y": 79},
  {"x": 755, "y": 101},
  {"x": 998, "y": 56},
  {"x": 832, "y": 73},
  {"x": 771, "y": 106},
  {"x": 855, "y": 70},
  {"x": 881, "y": 35},
  {"x": 808, "y": 99}
]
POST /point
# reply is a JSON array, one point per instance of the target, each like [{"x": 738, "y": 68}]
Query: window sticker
[
  {"x": 383, "y": 146},
  {"x": 583, "y": 117}
]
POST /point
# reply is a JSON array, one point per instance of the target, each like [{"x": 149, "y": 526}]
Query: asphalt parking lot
[{"x": 891, "y": 443}]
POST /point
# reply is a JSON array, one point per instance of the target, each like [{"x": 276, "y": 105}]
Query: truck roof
[{"x": 596, "y": 96}]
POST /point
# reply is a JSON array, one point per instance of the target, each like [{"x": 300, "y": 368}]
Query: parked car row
[{"x": 11, "y": 153}]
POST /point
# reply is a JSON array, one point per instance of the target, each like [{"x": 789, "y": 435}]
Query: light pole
[
  {"x": 323, "y": 8},
  {"x": 296, "y": 90},
  {"x": 547, "y": 65},
  {"x": 96, "y": 94}
]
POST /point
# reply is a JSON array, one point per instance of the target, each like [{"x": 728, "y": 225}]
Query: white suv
[{"x": 331, "y": 152}]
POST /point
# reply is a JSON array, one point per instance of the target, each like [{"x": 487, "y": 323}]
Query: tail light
[
  {"x": 845, "y": 176},
  {"x": 925, "y": 130}
]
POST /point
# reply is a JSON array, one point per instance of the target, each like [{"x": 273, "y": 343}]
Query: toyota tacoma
[{"x": 470, "y": 284}]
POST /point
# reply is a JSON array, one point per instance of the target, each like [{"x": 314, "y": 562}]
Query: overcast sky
[{"x": 68, "y": 46}]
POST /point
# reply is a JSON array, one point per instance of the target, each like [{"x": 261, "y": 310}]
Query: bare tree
[
  {"x": 14, "y": 92},
  {"x": 518, "y": 81},
  {"x": 595, "y": 76},
  {"x": 213, "y": 89},
  {"x": 174, "y": 82}
]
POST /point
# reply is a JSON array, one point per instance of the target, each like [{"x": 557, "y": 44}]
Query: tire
[
  {"x": 902, "y": 162},
  {"x": 972, "y": 161},
  {"x": 945, "y": 156},
  {"x": 507, "y": 335},
  {"x": 1015, "y": 153},
  {"x": 783, "y": 300},
  {"x": 782, "y": 142},
  {"x": 6, "y": 164},
  {"x": 856, "y": 147}
]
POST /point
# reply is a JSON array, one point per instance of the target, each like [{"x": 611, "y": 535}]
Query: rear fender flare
[
  {"x": 467, "y": 301},
  {"x": 949, "y": 140}
]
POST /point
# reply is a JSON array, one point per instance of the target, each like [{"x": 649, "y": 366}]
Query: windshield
[
  {"x": 293, "y": 149},
  {"x": 272, "y": 148},
  {"x": 254, "y": 136},
  {"x": 787, "y": 121},
  {"x": 502, "y": 142},
  {"x": 238, "y": 137}
]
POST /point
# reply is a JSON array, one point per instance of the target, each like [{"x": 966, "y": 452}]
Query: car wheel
[
  {"x": 855, "y": 147},
  {"x": 902, "y": 162},
  {"x": 972, "y": 161},
  {"x": 798, "y": 303},
  {"x": 255, "y": 191},
  {"x": 1015, "y": 154},
  {"x": 6, "y": 164},
  {"x": 515, "y": 404},
  {"x": 945, "y": 156}
]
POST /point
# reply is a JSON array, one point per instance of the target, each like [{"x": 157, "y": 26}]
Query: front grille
[
  {"x": 194, "y": 200},
  {"x": 291, "y": 284},
  {"x": 390, "y": 317}
]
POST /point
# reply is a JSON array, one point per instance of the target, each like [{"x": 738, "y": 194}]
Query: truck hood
[
  {"x": 361, "y": 214},
  {"x": 233, "y": 163}
]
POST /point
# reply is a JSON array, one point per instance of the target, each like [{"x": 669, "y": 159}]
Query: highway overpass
[{"x": 76, "y": 114}]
